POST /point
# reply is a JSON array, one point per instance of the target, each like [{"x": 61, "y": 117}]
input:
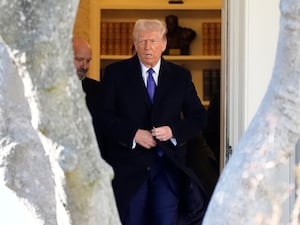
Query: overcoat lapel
[
  {"x": 136, "y": 80},
  {"x": 164, "y": 83}
]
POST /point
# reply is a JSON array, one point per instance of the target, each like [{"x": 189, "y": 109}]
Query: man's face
[
  {"x": 82, "y": 58},
  {"x": 149, "y": 47}
]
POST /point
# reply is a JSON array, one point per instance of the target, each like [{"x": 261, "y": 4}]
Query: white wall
[
  {"x": 262, "y": 29},
  {"x": 253, "y": 28}
]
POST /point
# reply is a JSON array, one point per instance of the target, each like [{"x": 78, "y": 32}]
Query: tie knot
[
  {"x": 150, "y": 71},
  {"x": 150, "y": 79}
]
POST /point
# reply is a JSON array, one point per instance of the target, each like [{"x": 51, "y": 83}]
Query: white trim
[{"x": 235, "y": 58}]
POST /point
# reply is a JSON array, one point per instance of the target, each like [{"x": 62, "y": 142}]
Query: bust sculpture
[{"x": 178, "y": 38}]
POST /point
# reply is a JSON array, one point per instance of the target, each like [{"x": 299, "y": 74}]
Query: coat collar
[{"x": 164, "y": 80}]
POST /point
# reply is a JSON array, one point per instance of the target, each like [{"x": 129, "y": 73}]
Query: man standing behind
[
  {"x": 147, "y": 133},
  {"x": 82, "y": 58},
  {"x": 91, "y": 87}
]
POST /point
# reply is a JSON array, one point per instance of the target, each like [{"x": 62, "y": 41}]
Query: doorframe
[{"x": 233, "y": 79}]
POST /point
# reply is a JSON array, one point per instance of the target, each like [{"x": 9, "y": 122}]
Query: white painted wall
[
  {"x": 262, "y": 29},
  {"x": 253, "y": 28}
]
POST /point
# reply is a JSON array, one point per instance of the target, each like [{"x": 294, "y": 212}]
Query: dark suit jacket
[
  {"x": 126, "y": 108},
  {"x": 92, "y": 90}
]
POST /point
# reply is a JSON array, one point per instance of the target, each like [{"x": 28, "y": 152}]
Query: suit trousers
[{"x": 156, "y": 201}]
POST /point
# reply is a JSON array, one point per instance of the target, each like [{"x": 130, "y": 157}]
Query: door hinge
[{"x": 228, "y": 152}]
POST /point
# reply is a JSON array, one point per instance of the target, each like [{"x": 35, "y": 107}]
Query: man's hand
[
  {"x": 163, "y": 133},
  {"x": 145, "y": 139}
]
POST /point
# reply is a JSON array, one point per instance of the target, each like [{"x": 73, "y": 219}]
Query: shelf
[
  {"x": 205, "y": 104},
  {"x": 167, "y": 57},
  {"x": 160, "y": 4}
]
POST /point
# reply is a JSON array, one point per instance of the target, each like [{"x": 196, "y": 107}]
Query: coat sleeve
[{"x": 193, "y": 114}]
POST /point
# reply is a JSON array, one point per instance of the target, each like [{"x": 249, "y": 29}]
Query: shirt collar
[{"x": 155, "y": 75}]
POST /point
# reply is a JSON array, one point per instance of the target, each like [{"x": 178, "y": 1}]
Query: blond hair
[{"x": 149, "y": 25}]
